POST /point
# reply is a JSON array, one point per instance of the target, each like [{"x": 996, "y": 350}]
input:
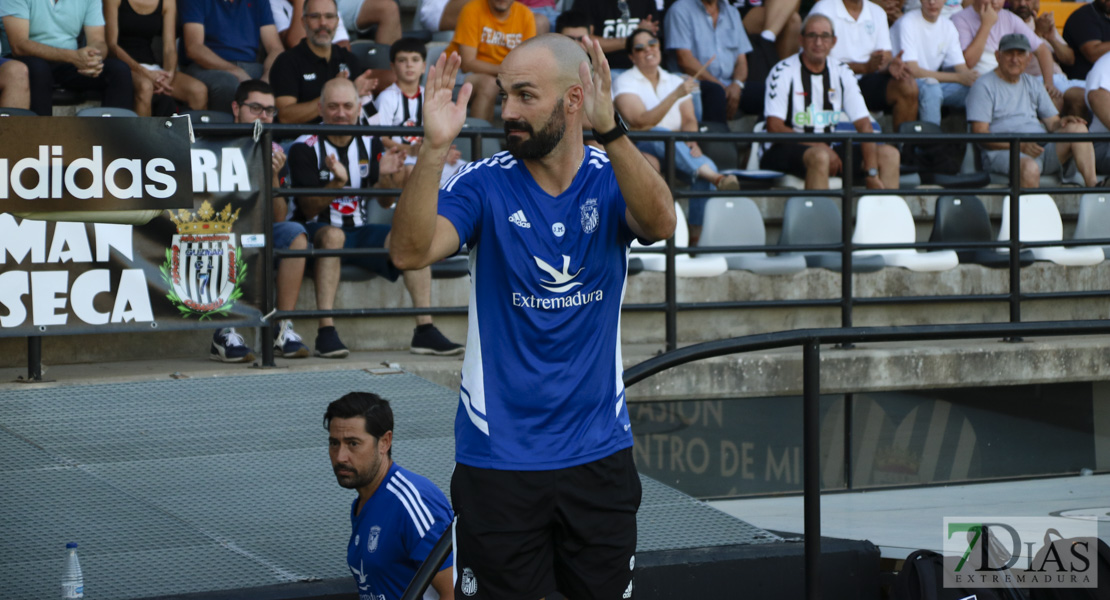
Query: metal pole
[
  {"x": 849, "y": 405},
  {"x": 811, "y": 429},
  {"x": 1015, "y": 249},
  {"x": 268, "y": 291},
  {"x": 34, "y": 358},
  {"x": 671, "y": 286},
  {"x": 846, "y": 240}
]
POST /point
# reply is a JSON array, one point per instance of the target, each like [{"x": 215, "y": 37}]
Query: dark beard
[{"x": 538, "y": 145}]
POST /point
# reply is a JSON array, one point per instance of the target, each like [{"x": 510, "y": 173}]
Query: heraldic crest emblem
[{"x": 204, "y": 267}]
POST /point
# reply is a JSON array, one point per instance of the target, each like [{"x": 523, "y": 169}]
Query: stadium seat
[
  {"x": 965, "y": 219},
  {"x": 372, "y": 54},
  {"x": 811, "y": 220},
  {"x": 16, "y": 112},
  {"x": 210, "y": 116},
  {"x": 974, "y": 179},
  {"x": 106, "y": 111},
  {"x": 785, "y": 181},
  {"x": 685, "y": 265},
  {"x": 887, "y": 220},
  {"x": 738, "y": 222},
  {"x": 723, "y": 153},
  {"x": 1094, "y": 219},
  {"x": 490, "y": 145},
  {"x": 1040, "y": 222}
]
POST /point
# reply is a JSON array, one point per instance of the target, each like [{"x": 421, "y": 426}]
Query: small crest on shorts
[
  {"x": 632, "y": 562},
  {"x": 372, "y": 541},
  {"x": 589, "y": 215},
  {"x": 469, "y": 583}
]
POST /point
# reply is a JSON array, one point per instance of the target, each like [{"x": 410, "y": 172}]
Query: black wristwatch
[{"x": 614, "y": 133}]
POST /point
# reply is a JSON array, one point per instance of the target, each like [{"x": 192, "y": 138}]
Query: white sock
[{"x": 769, "y": 35}]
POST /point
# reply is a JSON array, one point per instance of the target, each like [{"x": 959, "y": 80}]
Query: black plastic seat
[
  {"x": 16, "y": 112},
  {"x": 965, "y": 219},
  {"x": 816, "y": 220},
  {"x": 930, "y": 177},
  {"x": 723, "y": 153},
  {"x": 210, "y": 116}
]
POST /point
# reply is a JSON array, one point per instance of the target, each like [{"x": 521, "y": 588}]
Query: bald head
[
  {"x": 338, "y": 86},
  {"x": 551, "y": 53}
]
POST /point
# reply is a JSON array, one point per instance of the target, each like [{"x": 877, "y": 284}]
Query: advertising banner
[{"x": 194, "y": 267}]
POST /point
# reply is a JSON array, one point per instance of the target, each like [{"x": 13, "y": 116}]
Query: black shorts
[
  {"x": 787, "y": 157},
  {"x": 519, "y": 535},
  {"x": 873, "y": 88}
]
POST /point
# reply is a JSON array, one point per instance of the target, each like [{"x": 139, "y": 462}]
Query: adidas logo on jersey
[{"x": 520, "y": 220}]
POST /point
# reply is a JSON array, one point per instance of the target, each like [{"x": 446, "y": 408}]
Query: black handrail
[{"x": 811, "y": 340}]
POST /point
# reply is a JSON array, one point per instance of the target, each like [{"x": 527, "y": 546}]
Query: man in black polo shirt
[
  {"x": 1087, "y": 31},
  {"x": 299, "y": 73}
]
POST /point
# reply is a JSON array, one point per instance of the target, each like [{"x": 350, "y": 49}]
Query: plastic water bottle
[{"x": 73, "y": 583}]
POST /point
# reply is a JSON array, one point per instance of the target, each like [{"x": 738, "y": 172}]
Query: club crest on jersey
[
  {"x": 469, "y": 583},
  {"x": 589, "y": 215},
  {"x": 364, "y": 168},
  {"x": 372, "y": 541},
  {"x": 204, "y": 267}
]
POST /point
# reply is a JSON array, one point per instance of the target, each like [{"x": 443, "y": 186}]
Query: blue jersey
[
  {"x": 394, "y": 532},
  {"x": 541, "y": 382}
]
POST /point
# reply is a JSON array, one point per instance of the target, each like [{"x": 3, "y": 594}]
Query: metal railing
[{"x": 670, "y": 306}]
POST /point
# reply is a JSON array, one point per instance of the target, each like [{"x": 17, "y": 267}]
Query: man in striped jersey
[
  {"x": 808, "y": 93},
  {"x": 398, "y": 516}
]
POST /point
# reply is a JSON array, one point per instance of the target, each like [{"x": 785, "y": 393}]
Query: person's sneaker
[
  {"x": 228, "y": 346},
  {"x": 287, "y": 344},
  {"x": 426, "y": 339},
  {"x": 328, "y": 344}
]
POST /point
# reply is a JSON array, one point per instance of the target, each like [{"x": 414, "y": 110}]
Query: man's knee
[
  {"x": 816, "y": 158},
  {"x": 889, "y": 155},
  {"x": 1075, "y": 127},
  {"x": 299, "y": 243},
  {"x": 484, "y": 85},
  {"x": 1030, "y": 169},
  {"x": 14, "y": 73},
  {"x": 330, "y": 237},
  {"x": 902, "y": 89}
]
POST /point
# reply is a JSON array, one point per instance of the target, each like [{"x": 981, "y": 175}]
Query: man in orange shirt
[{"x": 487, "y": 30}]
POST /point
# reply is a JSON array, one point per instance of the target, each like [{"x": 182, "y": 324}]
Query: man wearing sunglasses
[{"x": 809, "y": 93}]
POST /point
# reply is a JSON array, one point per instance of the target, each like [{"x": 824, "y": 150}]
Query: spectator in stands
[
  {"x": 364, "y": 14},
  {"x": 776, "y": 21},
  {"x": 1098, "y": 99},
  {"x": 612, "y": 22},
  {"x": 711, "y": 45},
  {"x": 254, "y": 101},
  {"x": 440, "y": 15},
  {"x": 808, "y": 93},
  {"x": 401, "y": 104},
  {"x": 486, "y": 32},
  {"x": 398, "y": 515},
  {"x": 864, "y": 45},
  {"x": 289, "y": 22},
  {"x": 1087, "y": 31},
  {"x": 43, "y": 36},
  {"x": 576, "y": 26},
  {"x": 131, "y": 27},
  {"x": 950, "y": 7},
  {"x": 1009, "y": 100},
  {"x": 1071, "y": 103},
  {"x": 649, "y": 97},
  {"x": 544, "y": 12},
  {"x": 983, "y": 24},
  {"x": 224, "y": 39},
  {"x": 893, "y": 10},
  {"x": 15, "y": 90},
  {"x": 331, "y": 162},
  {"x": 301, "y": 72},
  {"x": 930, "y": 49}
]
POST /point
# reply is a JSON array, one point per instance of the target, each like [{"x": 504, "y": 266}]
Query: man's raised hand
[
  {"x": 443, "y": 117},
  {"x": 596, "y": 87}
]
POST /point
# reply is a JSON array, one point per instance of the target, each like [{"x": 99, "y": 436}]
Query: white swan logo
[{"x": 562, "y": 281}]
